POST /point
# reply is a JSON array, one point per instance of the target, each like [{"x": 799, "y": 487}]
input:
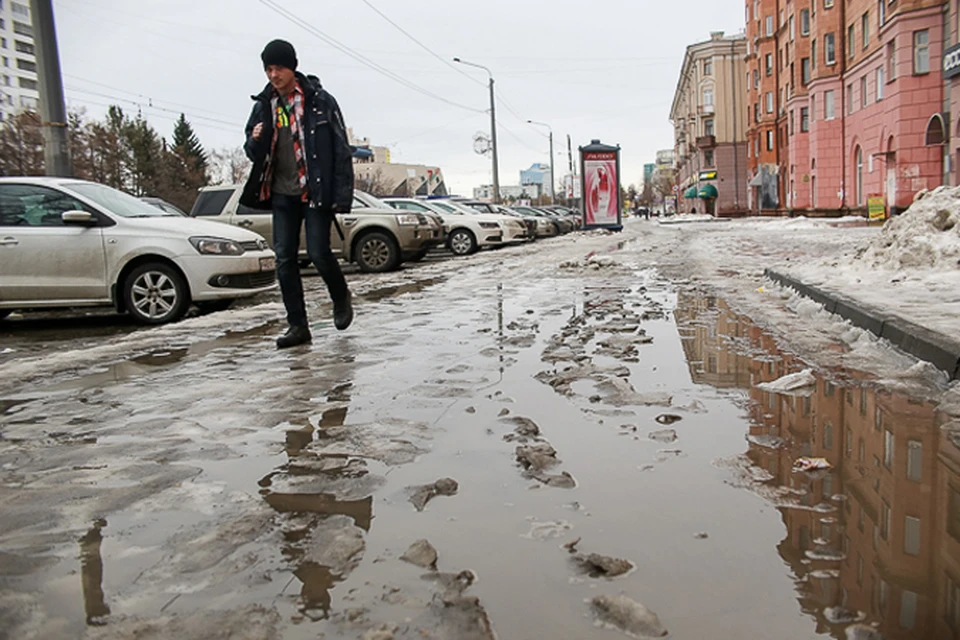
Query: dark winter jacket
[{"x": 322, "y": 122}]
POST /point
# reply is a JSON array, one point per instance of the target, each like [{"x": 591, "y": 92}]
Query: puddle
[{"x": 250, "y": 490}]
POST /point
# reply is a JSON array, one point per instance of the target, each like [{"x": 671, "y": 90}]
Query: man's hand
[{"x": 257, "y": 131}]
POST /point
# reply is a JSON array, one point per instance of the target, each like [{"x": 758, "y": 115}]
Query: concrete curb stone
[{"x": 940, "y": 350}]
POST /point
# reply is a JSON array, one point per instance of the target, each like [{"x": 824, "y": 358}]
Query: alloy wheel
[
  {"x": 375, "y": 253},
  {"x": 154, "y": 295}
]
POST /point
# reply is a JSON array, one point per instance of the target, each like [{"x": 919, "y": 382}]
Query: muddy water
[{"x": 230, "y": 488}]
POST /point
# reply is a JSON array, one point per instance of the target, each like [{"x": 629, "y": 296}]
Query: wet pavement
[{"x": 500, "y": 445}]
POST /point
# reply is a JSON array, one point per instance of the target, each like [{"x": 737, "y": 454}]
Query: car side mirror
[{"x": 77, "y": 217}]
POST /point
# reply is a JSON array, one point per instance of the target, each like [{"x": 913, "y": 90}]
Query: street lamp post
[
  {"x": 553, "y": 199},
  {"x": 493, "y": 129}
]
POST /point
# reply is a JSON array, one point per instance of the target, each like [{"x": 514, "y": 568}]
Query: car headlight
[
  {"x": 216, "y": 246},
  {"x": 408, "y": 219},
  {"x": 489, "y": 225}
]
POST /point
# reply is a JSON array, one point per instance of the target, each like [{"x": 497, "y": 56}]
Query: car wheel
[
  {"x": 377, "y": 252},
  {"x": 462, "y": 242},
  {"x": 212, "y": 306},
  {"x": 417, "y": 257},
  {"x": 155, "y": 293}
]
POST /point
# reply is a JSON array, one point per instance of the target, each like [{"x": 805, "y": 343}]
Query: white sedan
[
  {"x": 72, "y": 243},
  {"x": 466, "y": 231}
]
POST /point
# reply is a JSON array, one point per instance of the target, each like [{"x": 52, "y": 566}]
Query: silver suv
[{"x": 376, "y": 237}]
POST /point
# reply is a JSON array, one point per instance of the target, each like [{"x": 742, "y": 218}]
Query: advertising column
[{"x": 600, "y": 180}]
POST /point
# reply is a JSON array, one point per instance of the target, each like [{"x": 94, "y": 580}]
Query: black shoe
[
  {"x": 343, "y": 312},
  {"x": 293, "y": 337}
]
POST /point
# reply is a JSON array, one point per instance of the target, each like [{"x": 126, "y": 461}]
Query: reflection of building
[
  {"x": 709, "y": 121},
  {"x": 879, "y": 532},
  {"x": 18, "y": 76}
]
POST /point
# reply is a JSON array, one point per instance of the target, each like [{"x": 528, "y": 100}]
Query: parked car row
[{"x": 73, "y": 243}]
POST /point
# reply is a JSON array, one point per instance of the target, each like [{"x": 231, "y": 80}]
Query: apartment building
[
  {"x": 847, "y": 102},
  {"x": 18, "y": 62},
  {"x": 709, "y": 127}
]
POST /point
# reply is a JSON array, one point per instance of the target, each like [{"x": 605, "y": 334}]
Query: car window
[
  {"x": 244, "y": 210},
  {"x": 35, "y": 206},
  {"x": 359, "y": 204},
  {"x": 412, "y": 206},
  {"x": 169, "y": 208},
  {"x": 211, "y": 203},
  {"x": 443, "y": 206}
]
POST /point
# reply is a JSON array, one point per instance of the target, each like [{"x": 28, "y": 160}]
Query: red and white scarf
[{"x": 287, "y": 113}]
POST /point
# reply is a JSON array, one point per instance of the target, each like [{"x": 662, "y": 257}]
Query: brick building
[
  {"x": 845, "y": 101},
  {"x": 708, "y": 120}
]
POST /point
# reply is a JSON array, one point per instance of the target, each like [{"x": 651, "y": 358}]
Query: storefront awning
[
  {"x": 707, "y": 191},
  {"x": 690, "y": 193}
]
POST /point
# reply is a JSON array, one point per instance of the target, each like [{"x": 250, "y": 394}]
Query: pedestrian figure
[
  {"x": 303, "y": 171},
  {"x": 693, "y": 209}
]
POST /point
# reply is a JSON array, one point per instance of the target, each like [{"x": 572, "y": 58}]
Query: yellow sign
[
  {"x": 877, "y": 207},
  {"x": 708, "y": 175}
]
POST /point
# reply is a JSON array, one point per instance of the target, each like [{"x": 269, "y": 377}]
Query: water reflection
[
  {"x": 877, "y": 536},
  {"x": 91, "y": 575},
  {"x": 307, "y": 512}
]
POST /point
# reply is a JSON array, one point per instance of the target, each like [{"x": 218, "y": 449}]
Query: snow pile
[
  {"x": 925, "y": 236},
  {"x": 687, "y": 217},
  {"x": 802, "y": 222},
  {"x": 794, "y": 382}
]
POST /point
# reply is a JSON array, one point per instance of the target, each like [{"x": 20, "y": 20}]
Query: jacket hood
[{"x": 310, "y": 85}]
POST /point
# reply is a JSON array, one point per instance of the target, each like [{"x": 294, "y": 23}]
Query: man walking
[{"x": 303, "y": 171}]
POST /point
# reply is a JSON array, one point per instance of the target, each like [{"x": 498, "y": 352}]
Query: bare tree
[
  {"x": 229, "y": 166},
  {"x": 372, "y": 182},
  {"x": 21, "y": 145}
]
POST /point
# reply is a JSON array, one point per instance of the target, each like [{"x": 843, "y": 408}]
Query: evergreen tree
[
  {"x": 187, "y": 145},
  {"x": 145, "y": 157}
]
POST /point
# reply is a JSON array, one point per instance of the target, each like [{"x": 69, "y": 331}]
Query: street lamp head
[{"x": 456, "y": 59}]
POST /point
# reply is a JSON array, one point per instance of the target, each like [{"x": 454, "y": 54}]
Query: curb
[{"x": 940, "y": 350}]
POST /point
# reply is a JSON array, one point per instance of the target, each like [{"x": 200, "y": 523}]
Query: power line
[
  {"x": 359, "y": 57},
  {"x": 210, "y": 122},
  {"x": 421, "y": 45}
]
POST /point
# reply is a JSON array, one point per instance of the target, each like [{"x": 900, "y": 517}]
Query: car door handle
[
  {"x": 245, "y": 223},
  {"x": 9, "y": 241}
]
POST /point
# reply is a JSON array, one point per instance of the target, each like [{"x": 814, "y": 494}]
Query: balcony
[
  {"x": 705, "y": 109},
  {"x": 706, "y": 142}
]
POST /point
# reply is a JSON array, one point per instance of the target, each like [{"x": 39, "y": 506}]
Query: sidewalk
[{"x": 938, "y": 348}]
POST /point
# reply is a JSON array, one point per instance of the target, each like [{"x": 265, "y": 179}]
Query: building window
[
  {"x": 769, "y": 26},
  {"x": 813, "y": 54},
  {"x": 26, "y": 65},
  {"x": 911, "y": 536},
  {"x": 20, "y": 10},
  {"x": 851, "y": 44},
  {"x": 829, "y": 52},
  {"x": 805, "y": 71},
  {"x": 908, "y": 610},
  {"x": 792, "y": 30},
  {"x": 859, "y": 194},
  {"x": 884, "y": 519},
  {"x": 862, "y": 450},
  {"x": 708, "y": 162},
  {"x": 921, "y": 51},
  {"x": 708, "y": 97},
  {"x": 769, "y": 99},
  {"x": 768, "y": 64},
  {"x": 891, "y": 61},
  {"x": 953, "y": 514},
  {"x": 804, "y": 22},
  {"x": 792, "y": 130},
  {"x": 708, "y": 67},
  {"x": 23, "y": 47},
  {"x": 828, "y": 105},
  {"x": 3, "y": 42},
  {"x": 888, "y": 444},
  {"x": 27, "y": 83},
  {"x": 914, "y": 460},
  {"x": 865, "y": 28},
  {"x": 813, "y": 107},
  {"x": 863, "y": 92},
  {"x": 756, "y": 112},
  {"x": 848, "y": 443},
  {"x": 881, "y": 12},
  {"x": 770, "y": 140},
  {"x": 849, "y": 99},
  {"x": 22, "y": 29},
  {"x": 708, "y": 127},
  {"x": 952, "y": 613},
  {"x": 827, "y": 4},
  {"x": 879, "y": 84},
  {"x": 756, "y": 79}
]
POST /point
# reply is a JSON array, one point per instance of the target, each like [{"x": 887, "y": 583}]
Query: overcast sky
[{"x": 602, "y": 69}]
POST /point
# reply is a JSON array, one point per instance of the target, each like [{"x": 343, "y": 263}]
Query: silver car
[{"x": 72, "y": 243}]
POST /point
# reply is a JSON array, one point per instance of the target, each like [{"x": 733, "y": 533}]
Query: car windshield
[
  {"x": 372, "y": 201},
  {"x": 117, "y": 202},
  {"x": 445, "y": 207}
]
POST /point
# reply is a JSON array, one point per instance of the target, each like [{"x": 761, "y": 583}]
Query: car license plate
[{"x": 268, "y": 264}]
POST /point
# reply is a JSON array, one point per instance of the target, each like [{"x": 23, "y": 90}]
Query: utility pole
[
  {"x": 493, "y": 142},
  {"x": 569, "y": 155},
  {"x": 53, "y": 111},
  {"x": 493, "y": 129}
]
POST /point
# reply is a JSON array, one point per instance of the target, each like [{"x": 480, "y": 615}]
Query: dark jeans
[{"x": 289, "y": 214}]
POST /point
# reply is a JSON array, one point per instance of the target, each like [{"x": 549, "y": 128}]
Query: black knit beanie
[{"x": 281, "y": 53}]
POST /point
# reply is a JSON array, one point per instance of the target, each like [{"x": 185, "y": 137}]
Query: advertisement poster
[
  {"x": 601, "y": 200},
  {"x": 876, "y": 207}
]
